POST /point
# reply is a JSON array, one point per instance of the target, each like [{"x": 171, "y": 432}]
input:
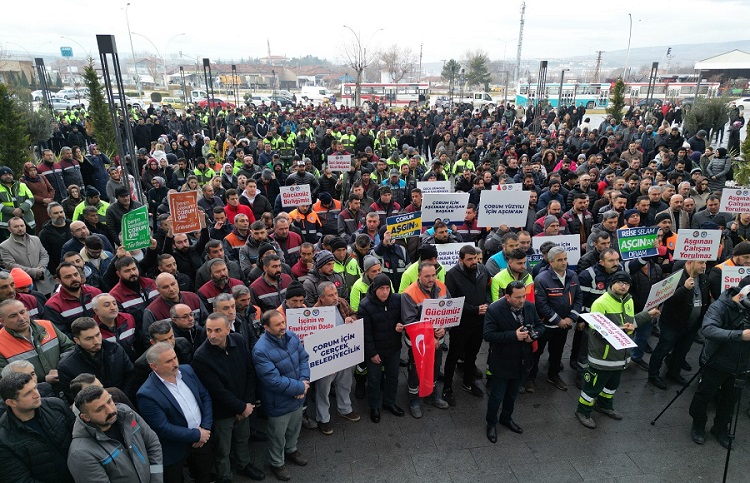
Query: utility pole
[
  {"x": 598, "y": 64},
  {"x": 419, "y": 77},
  {"x": 520, "y": 42}
]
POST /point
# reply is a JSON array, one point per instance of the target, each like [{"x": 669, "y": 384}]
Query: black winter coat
[
  {"x": 681, "y": 304},
  {"x": 473, "y": 286},
  {"x": 722, "y": 327},
  {"x": 380, "y": 321},
  {"x": 114, "y": 369},
  {"x": 29, "y": 456},
  {"x": 510, "y": 358}
]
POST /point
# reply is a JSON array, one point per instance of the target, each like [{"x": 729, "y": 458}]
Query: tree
[
  {"x": 398, "y": 62},
  {"x": 707, "y": 114},
  {"x": 356, "y": 56},
  {"x": 617, "y": 101},
  {"x": 14, "y": 150},
  {"x": 58, "y": 81},
  {"x": 104, "y": 131},
  {"x": 450, "y": 73},
  {"x": 478, "y": 74}
]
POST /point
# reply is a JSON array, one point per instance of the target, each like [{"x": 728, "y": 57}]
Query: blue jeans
[
  {"x": 504, "y": 391},
  {"x": 642, "y": 333}
]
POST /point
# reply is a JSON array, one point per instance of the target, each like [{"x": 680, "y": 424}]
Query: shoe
[
  {"x": 359, "y": 389},
  {"x": 678, "y": 379},
  {"x": 530, "y": 386},
  {"x": 472, "y": 389},
  {"x": 558, "y": 382},
  {"x": 434, "y": 399},
  {"x": 510, "y": 424},
  {"x": 640, "y": 363},
  {"x": 449, "y": 397},
  {"x": 586, "y": 420},
  {"x": 698, "y": 434},
  {"x": 375, "y": 415},
  {"x": 658, "y": 382},
  {"x": 395, "y": 410},
  {"x": 353, "y": 416},
  {"x": 253, "y": 473},
  {"x": 296, "y": 458},
  {"x": 648, "y": 349},
  {"x": 309, "y": 423},
  {"x": 415, "y": 409},
  {"x": 686, "y": 367},
  {"x": 721, "y": 436},
  {"x": 281, "y": 472},
  {"x": 325, "y": 428},
  {"x": 492, "y": 434},
  {"x": 258, "y": 436},
  {"x": 612, "y": 413}
]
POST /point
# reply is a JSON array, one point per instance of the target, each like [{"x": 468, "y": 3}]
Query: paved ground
[{"x": 450, "y": 445}]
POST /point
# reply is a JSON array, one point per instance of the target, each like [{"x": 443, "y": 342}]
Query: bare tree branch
[{"x": 398, "y": 63}]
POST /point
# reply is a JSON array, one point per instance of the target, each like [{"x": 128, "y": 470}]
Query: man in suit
[{"x": 178, "y": 408}]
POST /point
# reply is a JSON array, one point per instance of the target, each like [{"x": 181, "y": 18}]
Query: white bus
[{"x": 394, "y": 94}]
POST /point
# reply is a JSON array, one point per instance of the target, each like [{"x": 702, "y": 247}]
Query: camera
[{"x": 529, "y": 329}]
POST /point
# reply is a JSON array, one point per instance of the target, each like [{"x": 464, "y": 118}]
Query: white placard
[
  {"x": 448, "y": 253},
  {"x": 732, "y": 276},
  {"x": 449, "y": 207},
  {"x": 434, "y": 187},
  {"x": 296, "y": 195},
  {"x": 339, "y": 162},
  {"x": 442, "y": 312},
  {"x": 662, "y": 291},
  {"x": 307, "y": 321},
  {"x": 335, "y": 349},
  {"x": 571, "y": 244},
  {"x": 509, "y": 187},
  {"x": 734, "y": 200},
  {"x": 506, "y": 207},
  {"x": 697, "y": 244},
  {"x": 609, "y": 330}
]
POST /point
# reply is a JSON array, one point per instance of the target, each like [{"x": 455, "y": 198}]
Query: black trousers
[
  {"x": 711, "y": 382},
  {"x": 465, "y": 341},
  {"x": 554, "y": 340}
]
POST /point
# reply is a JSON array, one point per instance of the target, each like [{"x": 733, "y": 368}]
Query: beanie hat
[
  {"x": 22, "y": 279},
  {"x": 661, "y": 217},
  {"x": 262, "y": 250},
  {"x": 620, "y": 276},
  {"x": 325, "y": 197},
  {"x": 322, "y": 258},
  {"x": 722, "y": 152},
  {"x": 267, "y": 174},
  {"x": 427, "y": 251},
  {"x": 742, "y": 248},
  {"x": 549, "y": 219},
  {"x": 91, "y": 192},
  {"x": 631, "y": 212},
  {"x": 295, "y": 290},
  {"x": 337, "y": 243},
  {"x": 380, "y": 280},
  {"x": 369, "y": 262}
]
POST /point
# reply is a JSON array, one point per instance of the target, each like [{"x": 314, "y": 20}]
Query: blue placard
[{"x": 66, "y": 51}]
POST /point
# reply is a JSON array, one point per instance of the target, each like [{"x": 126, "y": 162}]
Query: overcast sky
[{"x": 296, "y": 28}]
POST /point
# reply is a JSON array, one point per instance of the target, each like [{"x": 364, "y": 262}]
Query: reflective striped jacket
[
  {"x": 43, "y": 351},
  {"x": 63, "y": 308}
]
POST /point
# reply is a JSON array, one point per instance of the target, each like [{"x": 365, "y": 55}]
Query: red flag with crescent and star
[{"x": 422, "y": 336}]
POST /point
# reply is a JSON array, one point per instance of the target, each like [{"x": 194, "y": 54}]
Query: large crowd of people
[{"x": 144, "y": 365}]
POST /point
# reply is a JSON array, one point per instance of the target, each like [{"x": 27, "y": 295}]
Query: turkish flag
[{"x": 422, "y": 336}]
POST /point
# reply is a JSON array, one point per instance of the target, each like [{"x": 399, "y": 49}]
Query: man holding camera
[{"x": 724, "y": 357}]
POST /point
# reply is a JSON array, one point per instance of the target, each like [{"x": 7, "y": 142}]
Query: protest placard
[
  {"x": 609, "y": 330},
  {"x": 135, "y": 230},
  {"x": 296, "y": 195},
  {"x": 183, "y": 211},
  {"x": 637, "y": 242},
  {"x": 406, "y": 225},
  {"x": 442, "y": 312},
  {"x": 502, "y": 208},
  {"x": 434, "y": 187},
  {"x": 339, "y": 162},
  {"x": 662, "y": 291},
  {"x": 534, "y": 260},
  {"x": 449, "y": 207},
  {"x": 571, "y": 244},
  {"x": 735, "y": 200},
  {"x": 697, "y": 244},
  {"x": 306, "y": 321},
  {"x": 732, "y": 276},
  {"x": 509, "y": 187},
  {"x": 335, "y": 349},
  {"x": 448, "y": 253}
]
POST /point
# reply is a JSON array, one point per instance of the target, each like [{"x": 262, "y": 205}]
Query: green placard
[{"x": 135, "y": 231}]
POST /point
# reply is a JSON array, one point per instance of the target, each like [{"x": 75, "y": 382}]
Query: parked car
[
  {"x": 61, "y": 104},
  {"x": 174, "y": 102},
  {"x": 216, "y": 102},
  {"x": 283, "y": 101},
  {"x": 742, "y": 103},
  {"x": 69, "y": 94}
]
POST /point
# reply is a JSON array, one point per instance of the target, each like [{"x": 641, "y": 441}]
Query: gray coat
[{"x": 718, "y": 167}]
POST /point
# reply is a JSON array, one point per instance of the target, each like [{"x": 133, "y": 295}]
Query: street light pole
[
  {"x": 155, "y": 48},
  {"x": 559, "y": 93},
  {"x": 132, "y": 51},
  {"x": 166, "y": 79}
]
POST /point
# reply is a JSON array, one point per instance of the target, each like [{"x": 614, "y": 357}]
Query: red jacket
[
  {"x": 63, "y": 308},
  {"x": 267, "y": 296},
  {"x": 159, "y": 310},
  {"x": 233, "y": 211},
  {"x": 31, "y": 304},
  {"x": 209, "y": 290},
  {"x": 134, "y": 303},
  {"x": 124, "y": 333},
  {"x": 290, "y": 247}
]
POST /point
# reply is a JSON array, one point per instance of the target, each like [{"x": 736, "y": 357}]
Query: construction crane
[{"x": 520, "y": 42}]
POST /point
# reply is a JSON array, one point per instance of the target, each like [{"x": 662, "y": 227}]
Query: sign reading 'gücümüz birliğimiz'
[
  {"x": 296, "y": 195},
  {"x": 442, "y": 312}
]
